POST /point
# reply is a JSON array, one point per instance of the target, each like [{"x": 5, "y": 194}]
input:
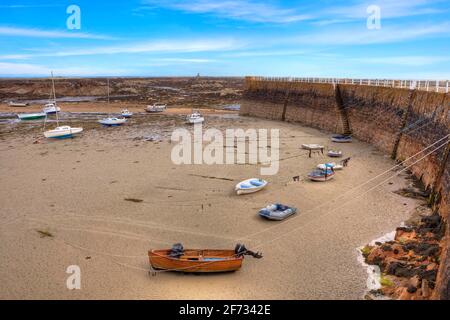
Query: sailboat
[
  {"x": 112, "y": 121},
  {"x": 51, "y": 107},
  {"x": 60, "y": 132}
]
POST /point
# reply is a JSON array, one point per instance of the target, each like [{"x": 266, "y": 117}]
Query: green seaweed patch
[
  {"x": 385, "y": 281},
  {"x": 366, "y": 250}
]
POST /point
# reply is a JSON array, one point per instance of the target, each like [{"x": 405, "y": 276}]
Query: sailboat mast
[
  {"x": 107, "y": 80},
  {"x": 54, "y": 100}
]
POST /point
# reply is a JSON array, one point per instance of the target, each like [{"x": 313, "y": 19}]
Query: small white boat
[
  {"x": 50, "y": 108},
  {"x": 17, "y": 104},
  {"x": 335, "y": 153},
  {"x": 321, "y": 175},
  {"x": 155, "y": 108},
  {"x": 112, "y": 121},
  {"x": 277, "y": 211},
  {"x": 195, "y": 117},
  {"x": 31, "y": 116},
  {"x": 330, "y": 165},
  {"x": 312, "y": 146},
  {"x": 126, "y": 114},
  {"x": 250, "y": 186},
  {"x": 341, "y": 138},
  {"x": 62, "y": 132}
]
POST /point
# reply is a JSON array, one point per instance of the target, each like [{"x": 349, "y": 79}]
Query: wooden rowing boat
[
  {"x": 199, "y": 260},
  {"x": 196, "y": 260}
]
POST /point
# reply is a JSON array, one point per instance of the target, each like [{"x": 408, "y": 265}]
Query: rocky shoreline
[{"x": 410, "y": 262}]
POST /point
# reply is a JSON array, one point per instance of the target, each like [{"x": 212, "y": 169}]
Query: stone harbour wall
[{"x": 399, "y": 122}]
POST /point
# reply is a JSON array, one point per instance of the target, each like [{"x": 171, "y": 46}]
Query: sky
[{"x": 401, "y": 39}]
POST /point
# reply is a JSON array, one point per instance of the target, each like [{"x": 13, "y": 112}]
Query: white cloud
[
  {"x": 167, "y": 46},
  {"x": 362, "y": 35},
  {"x": 23, "y": 69},
  {"x": 389, "y": 8},
  {"x": 38, "y": 33},
  {"x": 246, "y": 10}
]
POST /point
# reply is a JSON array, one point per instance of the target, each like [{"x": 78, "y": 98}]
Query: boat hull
[
  {"x": 114, "y": 123},
  {"x": 194, "y": 121},
  {"x": 192, "y": 262},
  {"x": 246, "y": 190},
  {"x": 321, "y": 178},
  {"x": 62, "y": 134},
  {"x": 33, "y": 116}
]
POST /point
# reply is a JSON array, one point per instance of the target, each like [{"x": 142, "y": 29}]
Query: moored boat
[
  {"x": 277, "y": 211},
  {"x": 250, "y": 186},
  {"x": 195, "y": 117},
  {"x": 321, "y": 175},
  {"x": 199, "y": 260},
  {"x": 31, "y": 116},
  {"x": 112, "y": 121},
  {"x": 330, "y": 165},
  {"x": 62, "y": 132},
  {"x": 312, "y": 146},
  {"x": 341, "y": 138},
  {"x": 126, "y": 114},
  {"x": 51, "y": 108},
  {"x": 156, "y": 107},
  {"x": 18, "y": 104},
  {"x": 334, "y": 153}
]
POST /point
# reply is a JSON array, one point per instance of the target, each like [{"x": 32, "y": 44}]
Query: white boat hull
[
  {"x": 62, "y": 132},
  {"x": 50, "y": 110},
  {"x": 112, "y": 122},
  {"x": 245, "y": 187},
  {"x": 312, "y": 146},
  {"x": 335, "y": 166},
  {"x": 196, "y": 120}
]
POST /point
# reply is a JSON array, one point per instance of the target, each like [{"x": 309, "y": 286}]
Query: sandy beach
[{"x": 75, "y": 191}]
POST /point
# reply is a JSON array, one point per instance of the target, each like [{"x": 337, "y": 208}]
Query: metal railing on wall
[{"x": 426, "y": 85}]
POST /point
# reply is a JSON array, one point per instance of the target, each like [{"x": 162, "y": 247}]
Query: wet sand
[{"x": 75, "y": 190}]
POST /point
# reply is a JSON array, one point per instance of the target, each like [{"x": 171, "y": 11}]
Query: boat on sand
[
  {"x": 250, "y": 186},
  {"x": 126, "y": 114},
  {"x": 112, "y": 121},
  {"x": 341, "y": 138},
  {"x": 334, "y": 153},
  {"x": 330, "y": 165},
  {"x": 31, "y": 116},
  {"x": 62, "y": 132},
  {"x": 312, "y": 146},
  {"x": 156, "y": 107},
  {"x": 195, "y": 117},
  {"x": 321, "y": 175},
  {"x": 199, "y": 260},
  {"x": 277, "y": 211}
]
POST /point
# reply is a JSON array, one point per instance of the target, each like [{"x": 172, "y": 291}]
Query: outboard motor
[
  {"x": 240, "y": 250},
  {"x": 176, "y": 251}
]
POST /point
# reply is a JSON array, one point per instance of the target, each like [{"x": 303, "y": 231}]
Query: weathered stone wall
[{"x": 397, "y": 121}]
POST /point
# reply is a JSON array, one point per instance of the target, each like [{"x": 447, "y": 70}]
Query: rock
[
  {"x": 411, "y": 289},
  {"x": 414, "y": 282},
  {"x": 427, "y": 249},
  {"x": 404, "y": 294},
  {"x": 425, "y": 288},
  {"x": 399, "y": 269}
]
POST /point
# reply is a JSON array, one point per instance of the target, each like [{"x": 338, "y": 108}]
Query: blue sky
[{"x": 226, "y": 38}]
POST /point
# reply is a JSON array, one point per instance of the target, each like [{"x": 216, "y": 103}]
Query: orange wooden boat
[{"x": 198, "y": 260}]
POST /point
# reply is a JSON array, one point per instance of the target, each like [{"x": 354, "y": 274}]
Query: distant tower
[{"x": 198, "y": 75}]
